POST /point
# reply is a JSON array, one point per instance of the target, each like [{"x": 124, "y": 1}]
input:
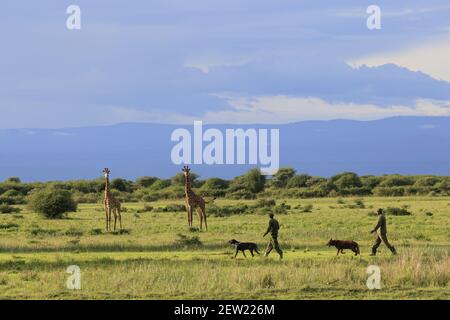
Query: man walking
[
  {"x": 273, "y": 228},
  {"x": 382, "y": 236}
]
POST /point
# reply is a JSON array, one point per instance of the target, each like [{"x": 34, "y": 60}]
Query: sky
[{"x": 221, "y": 61}]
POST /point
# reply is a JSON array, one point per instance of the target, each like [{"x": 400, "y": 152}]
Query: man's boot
[{"x": 374, "y": 252}]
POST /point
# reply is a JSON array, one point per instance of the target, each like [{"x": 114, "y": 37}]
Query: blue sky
[{"x": 221, "y": 61}]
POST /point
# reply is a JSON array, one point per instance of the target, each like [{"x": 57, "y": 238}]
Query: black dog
[
  {"x": 242, "y": 246},
  {"x": 341, "y": 245}
]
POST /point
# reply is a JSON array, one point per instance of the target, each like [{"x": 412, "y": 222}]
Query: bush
[
  {"x": 262, "y": 203},
  {"x": 145, "y": 209},
  {"x": 74, "y": 232},
  {"x": 306, "y": 208},
  {"x": 281, "y": 178},
  {"x": 174, "y": 207},
  {"x": 4, "y": 208},
  {"x": 346, "y": 180},
  {"x": 398, "y": 211},
  {"x": 52, "y": 203},
  {"x": 396, "y": 181},
  {"x": 160, "y": 184},
  {"x": 299, "y": 181},
  {"x": 146, "y": 182},
  {"x": 225, "y": 211},
  {"x": 186, "y": 241},
  {"x": 281, "y": 208},
  {"x": 252, "y": 182}
]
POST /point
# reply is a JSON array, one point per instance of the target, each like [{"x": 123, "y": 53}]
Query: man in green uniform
[
  {"x": 273, "y": 228},
  {"x": 382, "y": 236}
]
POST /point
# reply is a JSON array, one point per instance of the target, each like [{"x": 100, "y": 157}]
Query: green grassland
[{"x": 149, "y": 260}]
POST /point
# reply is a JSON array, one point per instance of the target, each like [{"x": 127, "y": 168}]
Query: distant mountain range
[{"x": 405, "y": 145}]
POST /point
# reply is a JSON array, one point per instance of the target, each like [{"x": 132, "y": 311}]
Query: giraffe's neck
[
  {"x": 107, "y": 191},
  {"x": 187, "y": 184}
]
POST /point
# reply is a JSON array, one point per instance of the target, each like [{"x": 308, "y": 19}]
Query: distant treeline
[{"x": 285, "y": 184}]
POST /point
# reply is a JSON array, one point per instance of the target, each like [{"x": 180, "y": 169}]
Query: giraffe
[
  {"x": 193, "y": 201},
  {"x": 111, "y": 204}
]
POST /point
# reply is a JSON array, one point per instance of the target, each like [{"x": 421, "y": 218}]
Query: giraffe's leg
[
  {"x": 109, "y": 218},
  {"x": 189, "y": 213},
  {"x": 119, "y": 211},
  {"x": 115, "y": 218},
  {"x": 204, "y": 216},
  {"x": 187, "y": 210},
  {"x": 200, "y": 216},
  {"x": 106, "y": 217}
]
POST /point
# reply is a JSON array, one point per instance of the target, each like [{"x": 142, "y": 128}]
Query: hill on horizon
[{"x": 403, "y": 145}]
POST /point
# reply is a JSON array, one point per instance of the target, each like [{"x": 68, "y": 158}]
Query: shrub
[
  {"x": 346, "y": 180},
  {"x": 398, "y": 211},
  {"x": 160, "y": 184},
  {"x": 38, "y": 231},
  {"x": 225, "y": 211},
  {"x": 87, "y": 197},
  {"x": 396, "y": 181},
  {"x": 173, "y": 207},
  {"x": 281, "y": 208},
  {"x": 241, "y": 194},
  {"x": 186, "y": 241},
  {"x": 357, "y": 204},
  {"x": 122, "y": 185},
  {"x": 96, "y": 232},
  {"x": 306, "y": 208},
  {"x": 178, "y": 179},
  {"x": 281, "y": 178},
  {"x": 253, "y": 182},
  {"x": 8, "y": 226},
  {"x": 52, "y": 203},
  {"x": 146, "y": 182},
  {"x": 145, "y": 209},
  {"x": 4, "y": 208},
  {"x": 298, "y": 181},
  {"x": 426, "y": 181},
  {"x": 74, "y": 232},
  {"x": 262, "y": 203}
]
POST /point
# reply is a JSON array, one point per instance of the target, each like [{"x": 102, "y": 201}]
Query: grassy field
[{"x": 150, "y": 260}]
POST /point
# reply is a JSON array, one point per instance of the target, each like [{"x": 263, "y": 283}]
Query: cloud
[
  {"x": 206, "y": 64},
  {"x": 431, "y": 57},
  {"x": 285, "y": 109}
]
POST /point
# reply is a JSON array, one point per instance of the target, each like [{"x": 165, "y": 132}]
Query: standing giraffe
[
  {"x": 193, "y": 201},
  {"x": 111, "y": 204}
]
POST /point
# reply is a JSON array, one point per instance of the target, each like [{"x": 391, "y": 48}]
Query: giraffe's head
[
  {"x": 106, "y": 172},
  {"x": 186, "y": 170}
]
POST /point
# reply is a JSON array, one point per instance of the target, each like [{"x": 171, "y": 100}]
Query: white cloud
[
  {"x": 206, "y": 64},
  {"x": 431, "y": 58},
  {"x": 284, "y": 109}
]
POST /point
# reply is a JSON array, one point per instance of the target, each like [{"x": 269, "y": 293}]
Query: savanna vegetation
[
  {"x": 46, "y": 227},
  {"x": 156, "y": 256},
  {"x": 286, "y": 184}
]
